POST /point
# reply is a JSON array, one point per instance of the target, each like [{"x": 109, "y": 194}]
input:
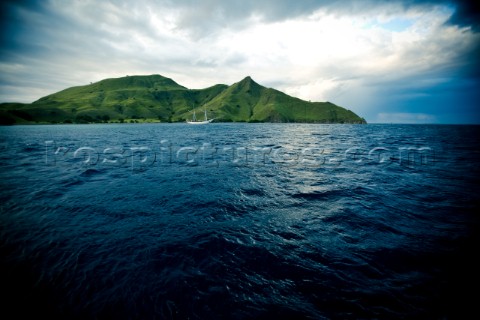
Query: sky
[{"x": 400, "y": 61}]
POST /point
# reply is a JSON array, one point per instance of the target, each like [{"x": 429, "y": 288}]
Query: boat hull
[{"x": 200, "y": 122}]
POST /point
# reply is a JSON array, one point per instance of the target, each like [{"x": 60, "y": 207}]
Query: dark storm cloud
[
  {"x": 467, "y": 14},
  {"x": 12, "y": 23}
]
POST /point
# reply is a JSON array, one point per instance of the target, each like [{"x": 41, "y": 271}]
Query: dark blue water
[{"x": 239, "y": 221}]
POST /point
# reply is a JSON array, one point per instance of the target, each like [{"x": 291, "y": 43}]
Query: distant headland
[{"x": 155, "y": 98}]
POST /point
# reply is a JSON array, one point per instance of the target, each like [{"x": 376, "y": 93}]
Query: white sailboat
[{"x": 195, "y": 121}]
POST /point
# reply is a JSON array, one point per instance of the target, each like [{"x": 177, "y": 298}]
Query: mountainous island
[{"x": 155, "y": 98}]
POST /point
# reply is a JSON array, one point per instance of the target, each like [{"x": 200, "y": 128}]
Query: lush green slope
[{"x": 160, "y": 99}]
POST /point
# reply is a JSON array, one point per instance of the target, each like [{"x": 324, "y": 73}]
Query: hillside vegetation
[{"x": 156, "y": 98}]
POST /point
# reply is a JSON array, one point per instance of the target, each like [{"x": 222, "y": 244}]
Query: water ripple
[{"x": 349, "y": 237}]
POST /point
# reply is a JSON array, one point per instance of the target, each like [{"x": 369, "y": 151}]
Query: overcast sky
[{"x": 388, "y": 61}]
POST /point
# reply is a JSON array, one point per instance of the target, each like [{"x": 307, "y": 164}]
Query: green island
[{"x": 154, "y": 98}]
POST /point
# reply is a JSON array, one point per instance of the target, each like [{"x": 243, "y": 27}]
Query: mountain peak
[
  {"x": 248, "y": 79},
  {"x": 248, "y": 83}
]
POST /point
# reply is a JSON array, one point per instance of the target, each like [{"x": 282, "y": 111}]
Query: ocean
[{"x": 239, "y": 221}]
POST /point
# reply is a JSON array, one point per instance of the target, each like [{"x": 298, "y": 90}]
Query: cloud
[
  {"x": 212, "y": 16},
  {"x": 371, "y": 57},
  {"x": 357, "y": 56}
]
